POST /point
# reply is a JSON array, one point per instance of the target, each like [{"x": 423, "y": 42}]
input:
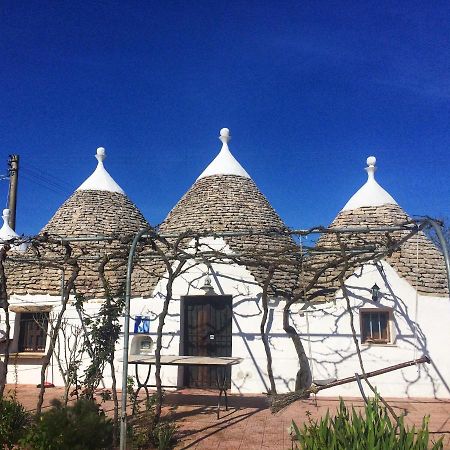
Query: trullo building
[
  {"x": 99, "y": 207},
  {"x": 400, "y": 303},
  {"x": 225, "y": 320}
]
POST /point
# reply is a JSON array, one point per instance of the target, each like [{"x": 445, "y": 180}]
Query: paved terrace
[{"x": 249, "y": 424}]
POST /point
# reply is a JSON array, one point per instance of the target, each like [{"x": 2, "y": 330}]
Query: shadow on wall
[
  {"x": 335, "y": 350},
  {"x": 333, "y": 353}
]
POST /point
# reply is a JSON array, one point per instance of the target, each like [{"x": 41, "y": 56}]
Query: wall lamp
[
  {"x": 375, "y": 290},
  {"x": 207, "y": 287}
]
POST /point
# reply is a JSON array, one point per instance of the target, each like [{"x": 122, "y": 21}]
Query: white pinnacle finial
[
  {"x": 371, "y": 161},
  {"x": 370, "y": 193},
  {"x": 371, "y": 168},
  {"x": 225, "y": 135},
  {"x": 7, "y": 233},
  {"x": 5, "y": 215},
  {"x": 100, "y": 180},
  {"x": 101, "y": 154},
  {"x": 224, "y": 163}
]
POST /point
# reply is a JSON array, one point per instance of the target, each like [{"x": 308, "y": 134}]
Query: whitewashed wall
[
  {"x": 329, "y": 342},
  {"x": 332, "y": 350},
  {"x": 26, "y": 369}
]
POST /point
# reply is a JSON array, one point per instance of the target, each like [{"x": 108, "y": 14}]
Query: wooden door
[{"x": 207, "y": 332}]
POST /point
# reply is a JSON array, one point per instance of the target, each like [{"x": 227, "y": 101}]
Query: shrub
[
  {"x": 144, "y": 432},
  {"x": 82, "y": 426},
  {"x": 14, "y": 421},
  {"x": 350, "y": 430},
  {"x": 164, "y": 435}
]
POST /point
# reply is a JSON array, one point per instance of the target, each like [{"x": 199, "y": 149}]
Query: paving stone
[{"x": 255, "y": 428}]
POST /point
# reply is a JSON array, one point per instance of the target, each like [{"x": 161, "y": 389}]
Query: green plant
[
  {"x": 14, "y": 420},
  {"x": 164, "y": 435},
  {"x": 132, "y": 395},
  {"x": 144, "y": 431},
  {"x": 104, "y": 331},
  {"x": 82, "y": 426},
  {"x": 351, "y": 430}
]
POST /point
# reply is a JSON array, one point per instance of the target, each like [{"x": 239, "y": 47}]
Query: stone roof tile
[{"x": 85, "y": 213}]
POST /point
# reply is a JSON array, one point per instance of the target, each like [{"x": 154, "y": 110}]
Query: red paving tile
[{"x": 249, "y": 425}]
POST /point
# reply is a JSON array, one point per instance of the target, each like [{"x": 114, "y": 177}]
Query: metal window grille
[{"x": 33, "y": 332}]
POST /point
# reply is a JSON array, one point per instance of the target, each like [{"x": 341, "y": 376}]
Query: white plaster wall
[
  {"x": 329, "y": 342},
  {"x": 415, "y": 334},
  {"x": 27, "y": 371},
  {"x": 237, "y": 281},
  {"x": 332, "y": 349}
]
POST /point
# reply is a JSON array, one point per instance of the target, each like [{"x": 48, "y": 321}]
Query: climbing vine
[{"x": 312, "y": 274}]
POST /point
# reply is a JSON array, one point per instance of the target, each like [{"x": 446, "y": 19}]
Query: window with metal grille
[
  {"x": 375, "y": 326},
  {"x": 33, "y": 331}
]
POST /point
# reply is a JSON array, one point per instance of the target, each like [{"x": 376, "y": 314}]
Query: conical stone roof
[
  {"x": 418, "y": 260},
  {"x": 94, "y": 212},
  {"x": 98, "y": 207},
  {"x": 225, "y": 199},
  {"x": 8, "y": 234}
]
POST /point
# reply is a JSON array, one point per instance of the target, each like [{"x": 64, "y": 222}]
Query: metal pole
[
  {"x": 126, "y": 339},
  {"x": 423, "y": 359},
  {"x": 13, "y": 164},
  {"x": 441, "y": 238}
]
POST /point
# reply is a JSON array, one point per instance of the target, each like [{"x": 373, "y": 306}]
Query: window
[
  {"x": 375, "y": 326},
  {"x": 33, "y": 331}
]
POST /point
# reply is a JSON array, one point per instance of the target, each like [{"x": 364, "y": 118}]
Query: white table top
[{"x": 181, "y": 360}]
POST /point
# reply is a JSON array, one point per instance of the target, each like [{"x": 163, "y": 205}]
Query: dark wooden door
[{"x": 207, "y": 332}]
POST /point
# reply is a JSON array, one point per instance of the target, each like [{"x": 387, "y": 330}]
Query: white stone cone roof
[
  {"x": 101, "y": 180},
  {"x": 7, "y": 233},
  {"x": 372, "y": 206},
  {"x": 224, "y": 163},
  {"x": 225, "y": 199},
  {"x": 371, "y": 193},
  {"x": 97, "y": 207}
]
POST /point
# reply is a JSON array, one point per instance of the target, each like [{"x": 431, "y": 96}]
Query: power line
[
  {"x": 44, "y": 184},
  {"x": 51, "y": 178},
  {"x": 47, "y": 180}
]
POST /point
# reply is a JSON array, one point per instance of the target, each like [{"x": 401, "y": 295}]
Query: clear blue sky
[{"x": 309, "y": 89}]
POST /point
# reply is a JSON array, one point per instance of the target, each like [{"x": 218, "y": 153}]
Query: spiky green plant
[{"x": 374, "y": 430}]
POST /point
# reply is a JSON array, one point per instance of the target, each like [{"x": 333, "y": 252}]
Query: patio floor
[{"x": 249, "y": 424}]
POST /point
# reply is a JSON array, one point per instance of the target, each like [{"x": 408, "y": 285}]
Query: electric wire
[
  {"x": 45, "y": 180},
  {"x": 51, "y": 178},
  {"x": 43, "y": 184}
]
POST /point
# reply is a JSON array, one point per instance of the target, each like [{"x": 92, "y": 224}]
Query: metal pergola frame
[{"x": 414, "y": 226}]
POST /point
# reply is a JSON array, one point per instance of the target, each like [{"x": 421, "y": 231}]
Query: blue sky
[{"x": 309, "y": 89}]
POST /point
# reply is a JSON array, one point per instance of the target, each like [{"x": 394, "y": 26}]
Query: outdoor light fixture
[
  {"x": 207, "y": 287},
  {"x": 375, "y": 292},
  {"x": 273, "y": 302}
]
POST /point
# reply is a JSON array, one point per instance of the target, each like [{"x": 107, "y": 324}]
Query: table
[{"x": 221, "y": 362}]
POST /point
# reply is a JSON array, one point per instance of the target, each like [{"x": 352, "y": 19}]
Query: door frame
[{"x": 184, "y": 301}]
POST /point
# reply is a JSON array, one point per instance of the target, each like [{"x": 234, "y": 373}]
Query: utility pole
[{"x": 13, "y": 165}]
